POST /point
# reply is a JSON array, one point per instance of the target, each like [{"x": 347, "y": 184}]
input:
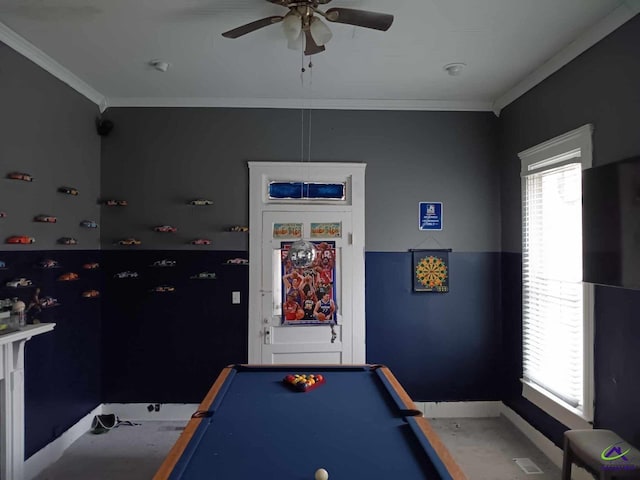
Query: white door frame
[{"x": 260, "y": 175}]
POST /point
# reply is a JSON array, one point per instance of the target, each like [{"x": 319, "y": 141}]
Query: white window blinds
[{"x": 553, "y": 313}]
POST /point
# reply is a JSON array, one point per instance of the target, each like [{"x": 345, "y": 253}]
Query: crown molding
[
  {"x": 313, "y": 104},
  {"x": 37, "y": 56},
  {"x": 597, "y": 32}
]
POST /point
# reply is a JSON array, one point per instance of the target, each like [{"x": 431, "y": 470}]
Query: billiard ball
[{"x": 321, "y": 474}]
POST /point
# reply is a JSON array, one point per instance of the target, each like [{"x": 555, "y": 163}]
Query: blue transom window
[{"x": 307, "y": 190}]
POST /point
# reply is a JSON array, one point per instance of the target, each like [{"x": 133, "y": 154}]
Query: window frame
[{"x": 551, "y": 154}]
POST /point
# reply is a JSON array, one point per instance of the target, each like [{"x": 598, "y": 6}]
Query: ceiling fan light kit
[
  {"x": 319, "y": 31},
  {"x": 292, "y": 26},
  {"x": 302, "y": 24}
]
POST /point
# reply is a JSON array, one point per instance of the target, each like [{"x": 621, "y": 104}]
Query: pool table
[{"x": 359, "y": 424}]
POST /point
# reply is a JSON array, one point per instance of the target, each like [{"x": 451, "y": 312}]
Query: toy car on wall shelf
[
  {"x": 45, "y": 219},
  {"x": 91, "y": 266},
  {"x": 238, "y": 228},
  {"x": 200, "y": 202},
  {"x": 67, "y": 241},
  {"x": 237, "y": 261},
  {"x": 204, "y": 276},
  {"x": 68, "y": 190},
  {"x": 200, "y": 241},
  {"x": 48, "y": 302},
  {"x": 7, "y": 303},
  {"x": 20, "y": 239},
  {"x": 48, "y": 263},
  {"x": 68, "y": 277},
  {"x": 165, "y": 229},
  {"x": 88, "y": 224},
  {"x": 19, "y": 283},
  {"x": 164, "y": 263},
  {"x": 91, "y": 294},
  {"x": 126, "y": 274},
  {"x": 129, "y": 241},
  {"x": 25, "y": 177},
  {"x": 115, "y": 203},
  {"x": 163, "y": 288}
]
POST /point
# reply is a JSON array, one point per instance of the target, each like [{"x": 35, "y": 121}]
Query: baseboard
[
  {"x": 460, "y": 409},
  {"x": 545, "y": 445},
  {"x": 44, "y": 457},
  {"x": 147, "y": 411}
]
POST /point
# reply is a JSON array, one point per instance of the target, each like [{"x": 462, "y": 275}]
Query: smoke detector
[
  {"x": 454, "y": 69},
  {"x": 160, "y": 65}
]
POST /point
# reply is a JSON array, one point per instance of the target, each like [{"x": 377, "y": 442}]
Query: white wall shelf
[{"x": 12, "y": 398}]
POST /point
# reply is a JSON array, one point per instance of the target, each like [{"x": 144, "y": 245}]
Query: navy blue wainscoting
[
  {"x": 617, "y": 361},
  {"x": 63, "y": 367},
  {"x": 441, "y": 346},
  {"x": 169, "y": 347}
]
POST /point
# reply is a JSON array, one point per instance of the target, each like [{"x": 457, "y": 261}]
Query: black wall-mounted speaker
[{"x": 104, "y": 127}]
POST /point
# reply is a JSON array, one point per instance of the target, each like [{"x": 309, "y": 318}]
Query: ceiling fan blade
[
  {"x": 360, "y": 18},
  {"x": 250, "y": 27},
  {"x": 310, "y": 46}
]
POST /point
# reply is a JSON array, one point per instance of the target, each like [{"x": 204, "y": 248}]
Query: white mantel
[{"x": 12, "y": 399}]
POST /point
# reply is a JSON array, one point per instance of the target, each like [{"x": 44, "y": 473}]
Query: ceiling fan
[{"x": 302, "y": 24}]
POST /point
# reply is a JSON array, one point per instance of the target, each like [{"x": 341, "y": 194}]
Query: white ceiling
[{"x": 104, "y": 48}]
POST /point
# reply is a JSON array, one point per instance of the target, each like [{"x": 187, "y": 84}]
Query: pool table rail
[
  {"x": 187, "y": 434},
  {"x": 435, "y": 448},
  {"x": 401, "y": 397}
]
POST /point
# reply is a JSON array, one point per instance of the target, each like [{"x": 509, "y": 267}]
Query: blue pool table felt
[{"x": 353, "y": 425}]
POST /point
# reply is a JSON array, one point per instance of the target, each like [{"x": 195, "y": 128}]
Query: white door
[
  {"x": 279, "y": 334},
  {"x": 292, "y": 332}
]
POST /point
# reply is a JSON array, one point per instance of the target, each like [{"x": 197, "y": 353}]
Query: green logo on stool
[{"x": 608, "y": 453}]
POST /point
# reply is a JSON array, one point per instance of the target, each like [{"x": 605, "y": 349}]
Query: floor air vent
[{"x": 527, "y": 466}]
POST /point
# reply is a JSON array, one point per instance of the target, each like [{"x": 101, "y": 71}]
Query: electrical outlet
[{"x": 235, "y": 297}]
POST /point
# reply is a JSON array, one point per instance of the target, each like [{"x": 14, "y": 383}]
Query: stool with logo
[{"x": 602, "y": 453}]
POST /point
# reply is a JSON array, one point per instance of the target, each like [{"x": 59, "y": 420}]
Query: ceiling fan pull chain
[
  {"x": 310, "y": 102},
  {"x": 302, "y": 70}
]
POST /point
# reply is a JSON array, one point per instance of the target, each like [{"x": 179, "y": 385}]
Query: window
[
  {"x": 306, "y": 190},
  {"x": 557, "y": 307}
]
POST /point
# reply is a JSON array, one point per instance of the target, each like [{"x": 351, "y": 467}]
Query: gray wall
[
  {"x": 598, "y": 87},
  {"x": 47, "y": 130},
  {"x": 159, "y": 158}
]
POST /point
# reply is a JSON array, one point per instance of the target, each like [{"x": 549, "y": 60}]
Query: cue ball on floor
[{"x": 321, "y": 474}]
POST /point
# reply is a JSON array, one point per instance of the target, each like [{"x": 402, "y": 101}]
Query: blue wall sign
[{"x": 430, "y": 217}]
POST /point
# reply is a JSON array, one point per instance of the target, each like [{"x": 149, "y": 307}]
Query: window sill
[{"x": 564, "y": 413}]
